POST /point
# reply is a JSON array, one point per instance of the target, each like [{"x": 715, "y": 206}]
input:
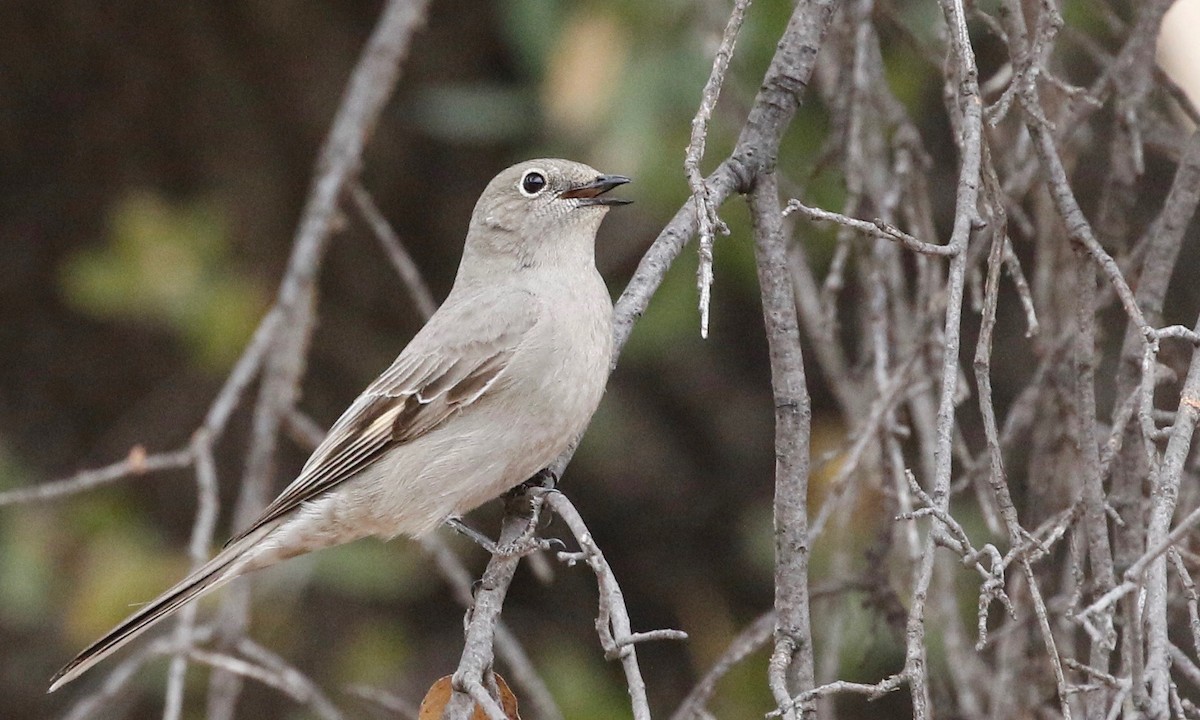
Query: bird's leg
[
  {"x": 457, "y": 525},
  {"x": 544, "y": 480}
]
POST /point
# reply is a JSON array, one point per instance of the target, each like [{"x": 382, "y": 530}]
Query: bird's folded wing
[{"x": 428, "y": 383}]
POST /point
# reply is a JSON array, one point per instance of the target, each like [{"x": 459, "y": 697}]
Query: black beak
[{"x": 592, "y": 193}]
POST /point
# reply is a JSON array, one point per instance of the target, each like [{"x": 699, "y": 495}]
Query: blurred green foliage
[
  {"x": 373, "y": 570},
  {"x": 469, "y": 113},
  {"x": 583, "y": 683},
  {"x": 117, "y": 557},
  {"x": 370, "y": 654},
  {"x": 26, "y": 569},
  {"x": 169, "y": 263}
]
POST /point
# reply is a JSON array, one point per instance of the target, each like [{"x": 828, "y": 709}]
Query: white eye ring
[{"x": 532, "y": 183}]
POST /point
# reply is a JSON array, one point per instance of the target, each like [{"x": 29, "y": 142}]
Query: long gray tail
[{"x": 216, "y": 572}]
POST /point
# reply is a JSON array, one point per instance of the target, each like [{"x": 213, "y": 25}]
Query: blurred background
[{"x": 154, "y": 158}]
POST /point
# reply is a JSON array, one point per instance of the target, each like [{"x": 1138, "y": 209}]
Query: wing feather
[{"x": 423, "y": 388}]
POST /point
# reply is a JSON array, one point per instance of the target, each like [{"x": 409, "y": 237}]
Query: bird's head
[{"x": 542, "y": 211}]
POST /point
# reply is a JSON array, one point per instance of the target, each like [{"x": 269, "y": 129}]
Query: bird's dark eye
[{"x": 532, "y": 183}]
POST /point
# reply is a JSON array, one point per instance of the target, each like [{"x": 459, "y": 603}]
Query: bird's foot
[{"x": 518, "y": 547}]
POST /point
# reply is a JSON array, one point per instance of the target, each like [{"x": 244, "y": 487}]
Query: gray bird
[{"x": 500, "y": 381}]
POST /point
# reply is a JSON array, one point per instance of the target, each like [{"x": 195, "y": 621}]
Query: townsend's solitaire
[{"x": 499, "y": 382}]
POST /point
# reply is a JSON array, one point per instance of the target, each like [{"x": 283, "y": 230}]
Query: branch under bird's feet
[{"x": 543, "y": 481}]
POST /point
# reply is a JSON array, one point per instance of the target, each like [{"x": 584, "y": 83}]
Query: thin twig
[
  {"x": 136, "y": 464},
  {"x": 706, "y": 211},
  {"x": 877, "y": 229},
  {"x": 1095, "y": 520},
  {"x": 966, "y": 214},
  {"x": 397, "y": 706},
  {"x": 1192, "y": 598},
  {"x": 401, "y": 260},
  {"x": 281, "y": 677}
]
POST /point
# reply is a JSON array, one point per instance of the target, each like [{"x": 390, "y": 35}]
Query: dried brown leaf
[{"x": 434, "y": 704}]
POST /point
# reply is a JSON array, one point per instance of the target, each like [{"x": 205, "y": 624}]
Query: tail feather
[{"x": 212, "y": 575}]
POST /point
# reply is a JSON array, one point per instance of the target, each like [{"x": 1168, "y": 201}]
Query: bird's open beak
[{"x": 593, "y": 193}]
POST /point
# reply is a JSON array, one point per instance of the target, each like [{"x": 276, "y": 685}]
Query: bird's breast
[
  {"x": 568, "y": 352},
  {"x": 547, "y": 394}
]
